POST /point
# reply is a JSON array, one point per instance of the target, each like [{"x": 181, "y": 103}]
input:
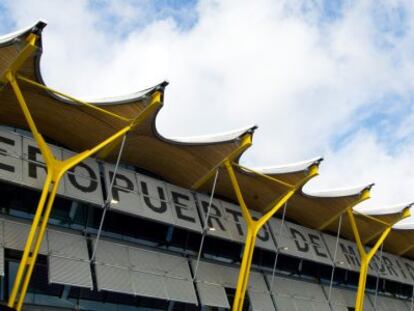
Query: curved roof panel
[
  {"x": 188, "y": 162},
  {"x": 78, "y": 127},
  {"x": 401, "y": 239},
  {"x": 260, "y": 191},
  {"x": 287, "y": 168},
  {"x": 211, "y": 139},
  {"x": 321, "y": 210}
]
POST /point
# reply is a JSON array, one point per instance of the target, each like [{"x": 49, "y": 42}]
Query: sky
[{"x": 323, "y": 78}]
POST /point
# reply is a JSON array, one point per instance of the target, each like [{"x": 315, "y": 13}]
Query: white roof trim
[
  {"x": 100, "y": 101},
  {"x": 405, "y": 224},
  {"x": 385, "y": 210},
  {"x": 10, "y": 36},
  {"x": 288, "y": 168},
  {"x": 339, "y": 192},
  {"x": 215, "y": 138},
  {"x": 114, "y": 100},
  {"x": 111, "y": 99}
]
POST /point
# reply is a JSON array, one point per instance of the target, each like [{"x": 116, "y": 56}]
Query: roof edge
[
  {"x": 35, "y": 28},
  {"x": 386, "y": 210},
  {"x": 339, "y": 192},
  {"x": 125, "y": 99},
  {"x": 289, "y": 168},
  {"x": 214, "y": 138},
  {"x": 121, "y": 99}
]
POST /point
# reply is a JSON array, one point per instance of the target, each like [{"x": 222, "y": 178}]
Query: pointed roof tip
[
  {"x": 250, "y": 130},
  {"x": 164, "y": 83},
  {"x": 289, "y": 168},
  {"x": 369, "y": 186},
  {"x": 215, "y": 138},
  {"x": 407, "y": 223},
  {"x": 39, "y": 26},
  {"x": 159, "y": 87},
  {"x": 339, "y": 192},
  {"x": 35, "y": 28},
  {"x": 386, "y": 210},
  {"x": 318, "y": 161},
  {"x": 120, "y": 99}
]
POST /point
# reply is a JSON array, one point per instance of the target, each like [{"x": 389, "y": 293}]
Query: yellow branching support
[
  {"x": 55, "y": 171},
  {"x": 57, "y": 168},
  {"x": 365, "y": 195},
  {"x": 254, "y": 226},
  {"x": 73, "y": 99},
  {"x": 366, "y": 256},
  {"x": 245, "y": 143},
  {"x": 24, "y": 54}
]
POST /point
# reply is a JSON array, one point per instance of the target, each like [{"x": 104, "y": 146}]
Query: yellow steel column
[
  {"x": 243, "y": 278},
  {"x": 249, "y": 244},
  {"x": 55, "y": 171},
  {"x": 366, "y": 257},
  {"x": 363, "y": 274},
  {"x": 253, "y": 227},
  {"x": 38, "y": 241}
]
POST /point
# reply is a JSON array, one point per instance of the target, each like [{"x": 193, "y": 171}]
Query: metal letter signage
[
  {"x": 184, "y": 208},
  {"x": 154, "y": 199},
  {"x": 299, "y": 241},
  {"x": 217, "y": 222},
  {"x": 392, "y": 267},
  {"x": 34, "y": 168},
  {"x": 142, "y": 196},
  {"x": 228, "y": 223},
  {"x": 124, "y": 190},
  {"x": 10, "y": 157},
  {"x": 83, "y": 182}
]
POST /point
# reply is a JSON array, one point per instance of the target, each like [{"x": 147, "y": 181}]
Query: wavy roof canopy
[
  {"x": 370, "y": 227},
  {"x": 319, "y": 210},
  {"x": 79, "y": 127},
  {"x": 187, "y": 162},
  {"x": 400, "y": 242},
  {"x": 401, "y": 239},
  {"x": 330, "y": 205},
  {"x": 259, "y": 190}
]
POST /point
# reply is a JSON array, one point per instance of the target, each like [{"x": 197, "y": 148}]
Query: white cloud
[{"x": 301, "y": 78}]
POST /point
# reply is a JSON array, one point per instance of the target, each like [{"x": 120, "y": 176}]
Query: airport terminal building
[{"x": 98, "y": 211}]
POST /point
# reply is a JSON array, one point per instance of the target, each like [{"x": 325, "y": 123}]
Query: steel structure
[
  {"x": 366, "y": 256},
  {"x": 55, "y": 171},
  {"x": 254, "y": 226},
  {"x": 281, "y": 186}
]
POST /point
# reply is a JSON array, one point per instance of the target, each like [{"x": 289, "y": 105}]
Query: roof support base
[
  {"x": 366, "y": 256},
  {"x": 254, "y": 226},
  {"x": 55, "y": 171}
]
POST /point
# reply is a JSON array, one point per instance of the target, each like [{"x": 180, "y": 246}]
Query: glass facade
[{"x": 19, "y": 203}]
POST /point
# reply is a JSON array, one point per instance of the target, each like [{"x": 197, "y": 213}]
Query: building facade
[
  {"x": 150, "y": 223},
  {"x": 146, "y": 258}
]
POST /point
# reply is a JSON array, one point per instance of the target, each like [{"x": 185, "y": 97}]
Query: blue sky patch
[
  {"x": 138, "y": 15},
  {"x": 6, "y": 22},
  {"x": 383, "y": 118}
]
